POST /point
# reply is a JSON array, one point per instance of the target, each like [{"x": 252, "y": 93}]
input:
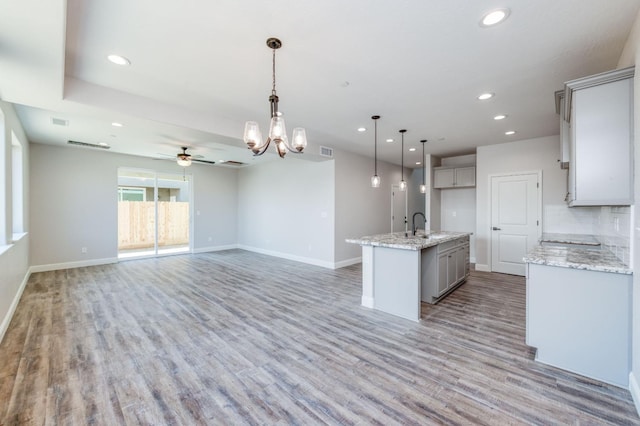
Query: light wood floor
[{"x": 239, "y": 338}]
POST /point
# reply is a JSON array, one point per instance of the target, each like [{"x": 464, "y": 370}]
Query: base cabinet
[
  {"x": 445, "y": 267},
  {"x": 580, "y": 320}
]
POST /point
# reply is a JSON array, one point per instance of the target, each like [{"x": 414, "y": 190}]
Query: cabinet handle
[{"x": 495, "y": 228}]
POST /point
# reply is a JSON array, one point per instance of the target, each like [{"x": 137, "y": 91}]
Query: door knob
[{"x": 495, "y": 228}]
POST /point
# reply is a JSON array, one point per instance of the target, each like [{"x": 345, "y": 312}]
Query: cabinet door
[
  {"x": 443, "y": 270},
  {"x": 452, "y": 268},
  {"x": 461, "y": 263},
  {"x": 601, "y": 136},
  {"x": 443, "y": 178},
  {"x": 465, "y": 176}
]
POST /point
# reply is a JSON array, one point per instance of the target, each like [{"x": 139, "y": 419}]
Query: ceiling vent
[
  {"x": 326, "y": 151},
  {"x": 59, "y": 121},
  {"x": 233, "y": 163},
  {"x": 89, "y": 145}
]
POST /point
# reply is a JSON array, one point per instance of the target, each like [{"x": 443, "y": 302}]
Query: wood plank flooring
[{"x": 240, "y": 338}]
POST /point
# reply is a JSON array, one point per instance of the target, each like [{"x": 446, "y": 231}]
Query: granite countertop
[
  {"x": 399, "y": 241},
  {"x": 581, "y": 239},
  {"x": 577, "y": 258}
]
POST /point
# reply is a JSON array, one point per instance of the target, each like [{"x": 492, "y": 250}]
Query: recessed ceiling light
[
  {"x": 412, "y": 149},
  {"x": 500, "y": 117},
  {"x": 418, "y": 163},
  {"x": 116, "y": 124},
  {"x": 389, "y": 140},
  {"x": 510, "y": 132},
  {"x": 494, "y": 17},
  {"x": 362, "y": 129},
  {"x": 118, "y": 60},
  {"x": 103, "y": 144},
  {"x": 485, "y": 96}
]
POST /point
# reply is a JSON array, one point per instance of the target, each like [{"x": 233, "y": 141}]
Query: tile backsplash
[{"x": 609, "y": 224}]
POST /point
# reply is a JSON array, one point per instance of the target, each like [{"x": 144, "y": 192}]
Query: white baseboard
[
  {"x": 69, "y": 265},
  {"x": 288, "y": 256},
  {"x": 472, "y": 260},
  {"x": 347, "y": 262},
  {"x": 14, "y": 304},
  {"x": 635, "y": 391},
  {"x": 483, "y": 268},
  {"x": 215, "y": 248},
  {"x": 367, "y": 302}
]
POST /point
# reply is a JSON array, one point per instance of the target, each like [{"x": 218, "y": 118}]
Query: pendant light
[
  {"x": 423, "y": 187},
  {"x": 375, "y": 179},
  {"x": 277, "y": 130},
  {"x": 403, "y": 184}
]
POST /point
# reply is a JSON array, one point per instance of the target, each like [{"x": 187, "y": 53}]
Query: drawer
[{"x": 452, "y": 244}]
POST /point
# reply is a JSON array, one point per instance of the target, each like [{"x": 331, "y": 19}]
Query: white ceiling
[{"x": 200, "y": 69}]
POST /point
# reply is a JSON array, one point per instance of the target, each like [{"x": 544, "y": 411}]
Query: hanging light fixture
[
  {"x": 423, "y": 186},
  {"x": 375, "y": 179},
  {"x": 183, "y": 158},
  {"x": 403, "y": 184},
  {"x": 277, "y": 130}
]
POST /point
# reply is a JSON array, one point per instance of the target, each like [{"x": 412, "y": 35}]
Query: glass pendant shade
[
  {"x": 277, "y": 129},
  {"x": 252, "y": 136},
  {"x": 423, "y": 188},
  {"x": 403, "y": 185},
  {"x": 375, "y": 181},
  {"x": 299, "y": 139}
]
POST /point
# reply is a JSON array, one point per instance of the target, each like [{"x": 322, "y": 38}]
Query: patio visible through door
[{"x": 153, "y": 213}]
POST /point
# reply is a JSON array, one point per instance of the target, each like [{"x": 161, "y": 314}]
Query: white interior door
[
  {"x": 398, "y": 209},
  {"x": 515, "y": 220}
]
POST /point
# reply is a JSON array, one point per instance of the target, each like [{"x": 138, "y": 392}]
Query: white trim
[
  {"x": 69, "y": 265},
  {"x": 482, "y": 268},
  {"x": 635, "y": 391},
  {"x": 12, "y": 309},
  {"x": 348, "y": 262},
  {"x": 367, "y": 302},
  {"x": 308, "y": 260},
  {"x": 215, "y": 248}
]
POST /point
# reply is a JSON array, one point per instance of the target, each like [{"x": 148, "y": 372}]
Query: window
[
  {"x": 17, "y": 186},
  {"x": 131, "y": 194}
]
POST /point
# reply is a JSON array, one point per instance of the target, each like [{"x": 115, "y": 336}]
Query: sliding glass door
[{"x": 153, "y": 213}]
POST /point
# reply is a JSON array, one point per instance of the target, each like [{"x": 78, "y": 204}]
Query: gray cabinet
[
  {"x": 448, "y": 268},
  {"x": 598, "y": 112},
  {"x": 454, "y": 177}
]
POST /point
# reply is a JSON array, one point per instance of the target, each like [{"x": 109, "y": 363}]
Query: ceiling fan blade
[{"x": 203, "y": 161}]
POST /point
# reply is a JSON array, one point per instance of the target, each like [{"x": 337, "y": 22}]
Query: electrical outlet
[{"x": 83, "y": 249}]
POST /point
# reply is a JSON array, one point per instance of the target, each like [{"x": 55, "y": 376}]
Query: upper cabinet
[
  {"x": 454, "y": 177},
  {"x": 598, "y": 122}
]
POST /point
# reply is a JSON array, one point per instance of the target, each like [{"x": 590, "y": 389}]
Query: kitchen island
[
  {"x": 579, "y": 311},
  {"x": 398, "y": 271}
]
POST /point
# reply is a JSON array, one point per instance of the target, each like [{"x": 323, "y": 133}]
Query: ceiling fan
[{"x": 183, "y": 159}]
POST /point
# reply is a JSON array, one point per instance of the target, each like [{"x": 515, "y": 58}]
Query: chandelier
[{"x": 277, "y": 130}]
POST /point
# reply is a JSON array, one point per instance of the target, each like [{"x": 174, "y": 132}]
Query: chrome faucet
[{"x": 413, "y": 222}]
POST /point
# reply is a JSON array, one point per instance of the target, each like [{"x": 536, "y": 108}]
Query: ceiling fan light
[{"x": 184, "y": 160}]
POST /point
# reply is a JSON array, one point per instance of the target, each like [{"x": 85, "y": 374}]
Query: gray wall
[
  {"x": 360, "y": 209},
  {"x": 74, "y": 203},
  {"x": 14, "y": 255},
  {"x": 286, "y": 208}
]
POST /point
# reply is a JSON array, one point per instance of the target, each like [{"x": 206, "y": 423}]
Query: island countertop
[
  {"x": 398, "y": 240},
  {"x": 577, "y": 258}
]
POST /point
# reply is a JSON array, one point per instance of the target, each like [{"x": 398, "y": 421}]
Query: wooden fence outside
[{"x": 136, "y": 224}]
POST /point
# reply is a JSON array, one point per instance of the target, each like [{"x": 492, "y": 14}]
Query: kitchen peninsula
[{"x": 398, "y": 271}]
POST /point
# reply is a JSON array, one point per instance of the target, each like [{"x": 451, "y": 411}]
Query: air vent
[
  {"x": 59, "y": 121},
  {"x": 89, "y": 145},
  {"x": 234, "y": 163},
  {"x": 326, "y": 151}
]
